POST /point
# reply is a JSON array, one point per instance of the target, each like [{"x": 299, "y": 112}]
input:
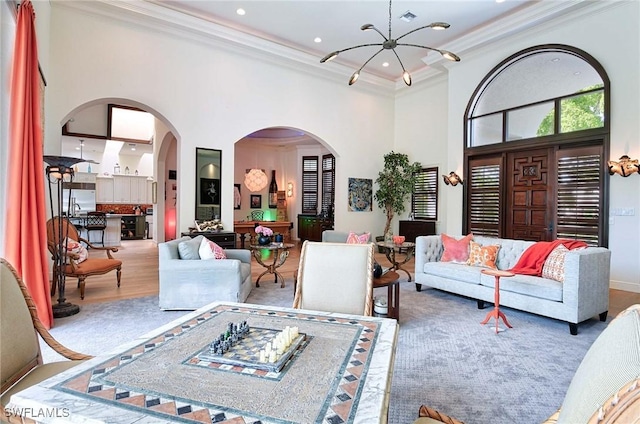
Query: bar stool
[{"x": 96, "y": 221}]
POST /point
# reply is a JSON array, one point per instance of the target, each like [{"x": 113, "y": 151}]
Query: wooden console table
[{"x": 247, "y": 227}]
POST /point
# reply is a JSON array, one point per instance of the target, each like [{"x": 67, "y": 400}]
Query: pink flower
[{"x": 265, "y": 231}]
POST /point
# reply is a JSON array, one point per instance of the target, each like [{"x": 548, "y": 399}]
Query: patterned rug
[{"x": 445, "y": 358}]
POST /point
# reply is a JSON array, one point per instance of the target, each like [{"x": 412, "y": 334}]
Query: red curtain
[{"x": 26, "y": 234}]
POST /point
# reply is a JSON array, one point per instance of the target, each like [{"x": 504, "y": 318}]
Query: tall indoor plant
[{"x": 395, "y": 182}]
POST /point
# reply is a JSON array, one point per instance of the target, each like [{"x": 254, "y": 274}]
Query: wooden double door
[{"x": 538, "y": 194}]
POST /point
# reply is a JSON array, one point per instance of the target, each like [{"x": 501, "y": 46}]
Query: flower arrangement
[{"x": 264, "y": 231}]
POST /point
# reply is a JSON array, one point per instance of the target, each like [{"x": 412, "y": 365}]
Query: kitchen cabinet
[
  {"x": 130, "y": 189},
  {"x": 132, "y": 227},
  {"x": 310, "y": 227},
  {"x": 84, "y": 177},
  {"x": 413, "y": 229},
  {"x": 104, "y": 190}
]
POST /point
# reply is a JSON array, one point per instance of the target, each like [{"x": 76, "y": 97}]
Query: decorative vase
[
  {"x": 279, "y": 238},
  {"x": 377, "y": 270},
  {"x": 264, "y": 240}
]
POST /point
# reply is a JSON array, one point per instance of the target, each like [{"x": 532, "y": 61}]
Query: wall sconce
[
  {"x": 289, "y": 189},
  {"x": 452, "y": 179},
  {"x": 624, "y": 167},
  {"x": 255, "y": 179}
]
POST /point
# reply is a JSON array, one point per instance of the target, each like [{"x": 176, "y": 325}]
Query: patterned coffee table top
[{"x": 340, "y": 374}]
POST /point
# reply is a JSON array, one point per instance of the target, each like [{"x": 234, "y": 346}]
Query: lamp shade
[{"x": 255, "y": 179}]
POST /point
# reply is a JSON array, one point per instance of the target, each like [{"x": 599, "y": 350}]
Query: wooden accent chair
[
  {"x": 86, "y": 268},
  {"x": 335, "y": 277},
  {"x": 22, "y": 365}
]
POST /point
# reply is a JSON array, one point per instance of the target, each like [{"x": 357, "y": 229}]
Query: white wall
[
  {"x": 212, "y": 98},
  {"x": 617, "y": 51}
]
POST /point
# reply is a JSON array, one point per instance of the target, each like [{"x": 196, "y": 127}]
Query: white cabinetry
[
  {"x": 128, "y": 189},
  {"x": 104, "y": 190}
]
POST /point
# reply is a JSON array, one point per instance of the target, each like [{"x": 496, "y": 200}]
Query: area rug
[{"x": 445, "y": 358}]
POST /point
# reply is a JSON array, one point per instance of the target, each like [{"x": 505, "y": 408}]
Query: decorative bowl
[{"x": 398, "y": 239}]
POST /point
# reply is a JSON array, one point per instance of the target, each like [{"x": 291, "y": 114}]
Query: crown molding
[{"x": 168, "y": 21}]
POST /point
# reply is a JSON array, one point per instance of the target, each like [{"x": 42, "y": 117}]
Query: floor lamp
[{"x": 60, "y": 171}]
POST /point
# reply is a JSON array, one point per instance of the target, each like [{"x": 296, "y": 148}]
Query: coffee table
[
  {"x": 342, "y": 373},
  {"x": 279, "y": 254},
  {"x": 390, "y": 249},
  {"x": 496, "y": 313},
  {"x": 390, "y": 281}
]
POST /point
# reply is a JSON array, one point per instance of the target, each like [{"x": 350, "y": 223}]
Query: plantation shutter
[
  {"x": 424, "y": 201},
  {"x": 484, "y": 188},
  {"x": 328, "y": 183},
  {"x": 579, "y": 194},
  {"x": 310, "y": 184}
]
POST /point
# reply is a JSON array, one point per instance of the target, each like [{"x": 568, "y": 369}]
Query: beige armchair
[
  {"x": 335, "y": 277},
  {"x": 22, "y": 365}
]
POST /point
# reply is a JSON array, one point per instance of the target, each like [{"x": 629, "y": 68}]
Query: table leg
[
  {"x": 393, "y": 300},
  {"x": 496, "y": 313}
]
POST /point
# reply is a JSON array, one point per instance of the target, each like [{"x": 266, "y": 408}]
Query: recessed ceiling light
[
  {"x": 317, "y": 40},
  {"x": 241, "y": 12},
  {"x": 385, "y": 64}
]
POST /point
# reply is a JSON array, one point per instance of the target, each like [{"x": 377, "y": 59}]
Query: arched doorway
[{"x": 96, "y": 129}]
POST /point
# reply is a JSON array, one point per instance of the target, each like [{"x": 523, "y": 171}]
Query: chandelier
[
  {"x": 391, "y": 44},
  {"x": 255, "y": 179}
]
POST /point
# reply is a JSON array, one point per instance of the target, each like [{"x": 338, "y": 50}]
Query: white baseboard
[{"x": 624, "y": 285}]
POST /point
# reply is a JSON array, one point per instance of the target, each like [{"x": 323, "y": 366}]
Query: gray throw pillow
[{"x": 188, "y": 250}]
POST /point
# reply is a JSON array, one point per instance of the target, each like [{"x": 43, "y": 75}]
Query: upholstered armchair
[
  {"x": 188, "y": 282},
  {"x": 22, "y": 365},
  {"x": 335, "y": 277}
]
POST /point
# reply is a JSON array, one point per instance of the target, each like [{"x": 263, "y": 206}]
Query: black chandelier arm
[
  {"x": 398, "y": 57},
  {"x": 367, "y": 27},
  {"x": 431, "y": 25},
  {"x": 332, "y": 55},
  {"x": 369, "y": 60}
]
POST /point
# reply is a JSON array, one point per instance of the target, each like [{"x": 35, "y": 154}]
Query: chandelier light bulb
[
  {"x": 406, "y": 78},
  {"x": 354, "y": 77}
]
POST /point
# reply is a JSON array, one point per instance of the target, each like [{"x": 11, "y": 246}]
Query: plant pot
[{"x": 264, "y": 240}]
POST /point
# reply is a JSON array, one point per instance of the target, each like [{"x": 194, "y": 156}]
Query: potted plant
[{"x": 395, "y": 182}]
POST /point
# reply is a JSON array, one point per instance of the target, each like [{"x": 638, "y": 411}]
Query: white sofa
[
  {"x": 192, "y": 283},
  {"x": 583, "y": 294}
]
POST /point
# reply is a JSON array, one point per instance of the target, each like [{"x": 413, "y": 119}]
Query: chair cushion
[
  {"x": 94, "y": 266},
  {"x": 36, "y": 375},
  {"x": 611, "y": 362},
  {"x": 188, "y": 249}
]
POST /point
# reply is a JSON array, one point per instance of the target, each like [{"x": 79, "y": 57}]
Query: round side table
[
  {"x": 390, "y": 280},
  {"x": 497, "y": 313}
]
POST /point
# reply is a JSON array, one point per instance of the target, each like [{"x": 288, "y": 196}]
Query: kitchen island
[{"x": 111, "y": 233}]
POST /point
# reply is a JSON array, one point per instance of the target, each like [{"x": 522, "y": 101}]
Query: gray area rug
[{"x": 444, "y": 358}]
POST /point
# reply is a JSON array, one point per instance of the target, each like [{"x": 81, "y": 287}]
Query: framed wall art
[
  {"x": 209, "y": 191},
  {"x": 360, "y": 194},
  {"x": 256, "y": 201}
]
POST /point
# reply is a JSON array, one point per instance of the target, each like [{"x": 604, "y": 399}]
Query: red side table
[{"x": 497, "y": 313}]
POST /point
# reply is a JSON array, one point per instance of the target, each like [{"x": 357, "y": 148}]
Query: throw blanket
[{"x": 532, "y": 260}]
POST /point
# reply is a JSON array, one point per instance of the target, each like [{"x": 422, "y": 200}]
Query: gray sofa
[
  {"x": 192, "y": 283},
  {"x": 583, "y": 294}
]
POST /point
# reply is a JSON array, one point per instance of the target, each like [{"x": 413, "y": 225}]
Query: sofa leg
[
  {"x": 573, "y": 329},
  {"x": 603, "y": 316},
  {"x": 481, "y": 304},
  {"x": 418, "y": 287}
]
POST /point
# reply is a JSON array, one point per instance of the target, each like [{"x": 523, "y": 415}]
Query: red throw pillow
[
  {"x": 354, "y": 238},
  {"x": 456, "y": 251}
]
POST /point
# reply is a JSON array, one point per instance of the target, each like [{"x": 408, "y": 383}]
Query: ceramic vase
[{"x": 264, "y": 240}]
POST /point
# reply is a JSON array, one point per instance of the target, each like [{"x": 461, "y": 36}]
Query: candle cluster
[{"x": 276, "y": 347}]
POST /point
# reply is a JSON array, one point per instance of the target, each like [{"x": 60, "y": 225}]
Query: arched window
[{"x": 536, "y": 139}]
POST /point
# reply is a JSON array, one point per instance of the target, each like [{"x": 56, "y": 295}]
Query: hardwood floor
[{"x": 140, "y": 277}]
